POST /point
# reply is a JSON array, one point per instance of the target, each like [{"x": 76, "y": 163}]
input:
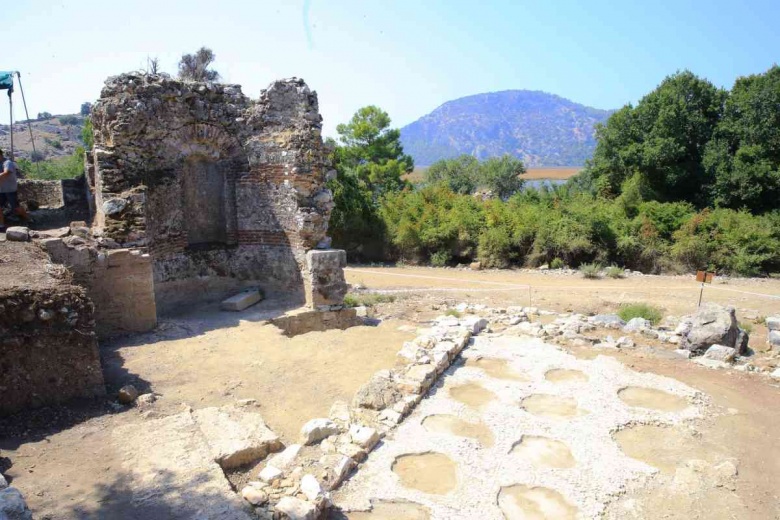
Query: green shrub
[
  {"x": 367, "y": 299},
  {"x": 614, "y": 271},
  {"x": 452, "y": 312},
  {"x": 591, "y": 271},
  {"x": 440, "y": 258},
  {"x": 747, "y": 327},
  {"x": 651, "y": 313},
  {"x": 557, "y": 263}
]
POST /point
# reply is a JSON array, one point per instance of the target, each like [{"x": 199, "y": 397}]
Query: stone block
[
  {"x": 242, "y": 300},
  {"x": 364, "y": 436},
  {"x": 721, "y": 353},
  {"x": 774, "y": 339},
  {"x": 296, "y": 509},
  {"x": 773, "y": 323},
  {"x": 13, "y": 506},
  {"x": 285, "y": 459},
  {"x": 235, "y": 437},
  {"x": 169, "y": 467},
  {"x": 326, "y": 281},
  {"x": 17, "y": 234},
  {"x": 317, "y": 429}
]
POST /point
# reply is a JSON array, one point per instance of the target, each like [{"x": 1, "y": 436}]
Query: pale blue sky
[{"x": 407, "y": 56}]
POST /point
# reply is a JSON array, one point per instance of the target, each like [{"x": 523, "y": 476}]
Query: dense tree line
[
  {"x": 691, "y": 141},
  {"x": 687, "y": 179}
]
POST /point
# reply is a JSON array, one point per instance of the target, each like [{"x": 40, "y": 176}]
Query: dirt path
[{"x": 754, "y": 298}]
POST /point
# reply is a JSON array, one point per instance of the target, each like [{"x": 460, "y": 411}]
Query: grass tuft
[
  {"x": 367, "y": 299},
  {"x": 649, "y": 312},
  {"x": 591, "y": 271},
  {"x": 614, "y": 271}
]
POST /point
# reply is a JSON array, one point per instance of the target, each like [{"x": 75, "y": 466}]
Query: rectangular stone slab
[
  {"x": 236, "y": 436},
  {"x": 242, "y": 300},
  {"x": 171, "y": 474}
]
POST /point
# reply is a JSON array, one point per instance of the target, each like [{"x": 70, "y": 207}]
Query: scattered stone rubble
[{"x": 297, "y": 481}]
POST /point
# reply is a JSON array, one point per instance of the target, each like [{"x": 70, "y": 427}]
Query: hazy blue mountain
[{"x": 542, "y": 129}]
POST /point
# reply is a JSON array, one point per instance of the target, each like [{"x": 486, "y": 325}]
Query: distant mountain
[{"x": 542, "y": 129}]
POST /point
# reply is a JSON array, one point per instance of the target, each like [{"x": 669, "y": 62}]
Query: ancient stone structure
[
  {"x": 221, "y": 191},
  {"x": 48, "y": 349}
]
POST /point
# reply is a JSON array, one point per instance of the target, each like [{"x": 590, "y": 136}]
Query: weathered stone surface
[
  {"x": 326, "y": 277},
  {"x": 773, "y": 323},
  {"x": 17, "y": 234},
  {"x": 711, "y": 325},
  {"x": 255, "y": 496},
  {"x": 13, "y": 506},
  {"x": 338, "y": 467},
  {"x": 285, "y": 459},
  {"x": 611, "y": 321},
  {"x": 317, "y": 429},
  {"x": 48, "y": 349},
  {"x": 379, "y": 393},
  {"x": 721, "y": 353},
  {"x": 311, "y": 487},
  {"x": 270, "y": 473},
  {"x": 364, "y": 436},
  {"x": 127, "y": 394},
  {"x": 223, "y": 190},
  {"x": 235, "y": 436},
  {"x": 774, "y": 339},
  {"x": 741, "y": 344},
  {"x": 296, "y": 509},
  {"x": 3, "y": 482},
  {"x": 473, "y": 324},
  {"x": 170, "y": 472},
  {"x": 637, "y": 325},
  {"x": 339, "y": 413},
  {"x": 242, "y": 300}
]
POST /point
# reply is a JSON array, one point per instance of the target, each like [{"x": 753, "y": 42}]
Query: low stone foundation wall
[
  {"x": 48, "y": 350},
  {"x": 311, "y": 321},
  {"x": 43, "y": 193},
  {"x": 119, "y": 282}
]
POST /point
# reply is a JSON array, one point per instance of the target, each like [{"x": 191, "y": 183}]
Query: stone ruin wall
[
  {"x": 222, "y": 192},
  {"x": 48, "y": 349}
]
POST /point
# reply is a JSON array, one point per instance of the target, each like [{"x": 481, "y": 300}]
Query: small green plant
[
  {"x": 591, "y": 271},
  {"x": 557, "y": 263},
  {"x": 367, "y": 299},
  {"x": 747, "y": 327},
  {"x": 649, "y": 312},
  {"x": 440, "y": 258},
  {"x": 452, "y": 312},
  {"x": 614, "y": 271}
]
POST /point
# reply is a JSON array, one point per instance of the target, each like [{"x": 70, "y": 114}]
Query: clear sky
[{"x": 407, "y": 56}]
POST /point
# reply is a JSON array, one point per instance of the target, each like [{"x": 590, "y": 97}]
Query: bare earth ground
[
  {"x": 66, "y": 466},
  {"x": 204, "y": 359}
]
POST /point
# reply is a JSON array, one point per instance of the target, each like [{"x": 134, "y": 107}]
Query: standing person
[{"x": 8, "y": 182}]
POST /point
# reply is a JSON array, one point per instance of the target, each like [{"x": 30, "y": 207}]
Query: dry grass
[
  {"x": 560, "y": 173},
  {"x": 557, "y": 173}
]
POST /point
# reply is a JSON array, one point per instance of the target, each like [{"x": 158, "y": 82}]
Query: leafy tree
[
  {"x": 87, "y": 134},
  {"x": 195, "y": 67},
  {"x": 461, "y": 174},
  {"x": 69, "y": 120},
  {"x": 372, "y": 151},
  {"x": 44, "y": 115},
  {"x": 662, "y": 139},
  {"x": 501, "y": 175},
  {"x": 744, "y": 156},
  {"x": 86, "y": 108}
]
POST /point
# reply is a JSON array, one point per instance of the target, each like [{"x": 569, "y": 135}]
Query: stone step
[{"x": 242, "y": 300}]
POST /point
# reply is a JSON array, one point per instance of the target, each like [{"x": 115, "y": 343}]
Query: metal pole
[
  {"x": 29, "y": 125},
  {"x": 11, "y": 108},
  {"x": 701, "y": 293}
]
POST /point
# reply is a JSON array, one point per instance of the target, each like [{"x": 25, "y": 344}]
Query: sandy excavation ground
[
  {"x": 66, "y": 461},
  {"x": 754, "y": 298},
  {"x": 67, "y": 464}
]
